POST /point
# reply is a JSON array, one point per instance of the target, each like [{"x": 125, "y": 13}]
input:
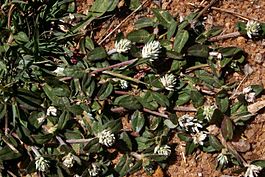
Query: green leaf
[
  {"x": 105, "y": 91},
  {"x": 113, "y": 125},
  {"x": 21, "y": 37},
  {"x": 64, "y": 117},
  {"x": 128, "y": 102},
  {"x": 126, "y": 139},
  {"x": 196, "y": 98},
  {"x": 198, "y": 50},
  {"x": 99, "y": 7},
  {"x": 215, "y": 143},
  {"x": 163, "y": 17},
  {"x": 184, "y": 137},
  {"x": 169, "y": 124},
  {"x": 122, "y": 167},
  {"x": 41, "y": 138},
  {"x": 139, "y": 36},
  {"x": 144, "y": 22},
  {"x": 190, "y": 147},
  {"x": 258, "y": 89},
  {"x": 73, "y": 71},
  {"x": 184, "y": 97},
  {"x": 260, "y": 163},
  {"x": 137, "y": 121},
  {"x": 134, "y": 4},
  {"x": 222, "y": 101},
  {"x": 229, "y": 51},
  {"x": 227, "y": 128},
  {"x": 160, "y": 99},
  {"x": 7, "y": 154},
  {"x": 92, "y": 146},
  {"x": 171, "y": 30},
  {"x": 181, "y": 39},
  {"x": 97, "y": 54}
]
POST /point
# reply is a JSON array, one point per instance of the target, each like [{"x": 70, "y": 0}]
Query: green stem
[{"x": 124, "y": 77}]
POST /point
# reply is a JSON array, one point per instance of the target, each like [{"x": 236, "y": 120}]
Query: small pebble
[{"x": 259, "y": 58}]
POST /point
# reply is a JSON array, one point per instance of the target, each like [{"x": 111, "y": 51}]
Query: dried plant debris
[{"x": 64, "y": 98}]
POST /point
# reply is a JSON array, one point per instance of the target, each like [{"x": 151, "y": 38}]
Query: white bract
[
  {"x": 122, "y": 45},
  {"x": 68, "y": 160},
  {"x": 218, "y": 55},
  {"x": 168, "y": 81},
  {"x": 123, "y": 84},
  {"x": 106, "y": 138},
  {"x": 252, "y": 28},
  {"x": 41, "y": 164},
  {"x": 51, "y": 111},
  {"x": 208, "y": 112},
  {"x": 189, "y": 123},
  {"x": 162, "y": 150},
  {"x": 151, "y": 50},
  {"x": 199, "y": 137},
  {"x": 252, "y": 170},
  {"x": 222, "y": 157},
  {"x": 59, "y": 71},
  {"x": 249, "y": 96},
  {"x": 94, "y": 170}
]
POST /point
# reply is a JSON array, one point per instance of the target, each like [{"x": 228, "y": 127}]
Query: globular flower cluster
[
  {"x": 162, "y": 150},
  {"x": 122, "y": 45},
  {"x": 94, "y": 170},
  {"x": 41, "y": 164},
  {"x": 123, "y": 84},
  {"x": 252, "y": 28},
  {"x": 51, "y": 111},
  {"x": 189, "y": 123},
  {"x": 106, "y": 138},
  {"x": 168, "y": 81},
  {"x": 222, "y": 158},
  {"x": 68, "y": 160},
  {"x": 249, "y": 95},
  {"x": 252, "y": 170},
  {"x": 151, "y": 50},
  {"x": 199, "y": 137},
  {"x": 193, "y": 125}
]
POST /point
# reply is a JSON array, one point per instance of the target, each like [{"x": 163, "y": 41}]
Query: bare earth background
[{"x": 250, "y": 142}]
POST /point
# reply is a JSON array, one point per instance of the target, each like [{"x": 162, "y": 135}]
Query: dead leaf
[{"x": 255, "y": 107}]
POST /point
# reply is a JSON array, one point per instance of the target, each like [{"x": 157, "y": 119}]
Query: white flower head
[
  {"x": 247, "y": 90},
  {"x": 249, "y": 96},
  {"x": 168, "y": 81},
  {"x": 106, "y": 138},
  {"x": 189, "y": 123},
  {"x": 252, "y": 28},
  {"x": 218, "y": 55},
  {"x": 252, "y": 170},
  {"x": 208, "y": 112},
  {"x": 222, "y": 158},
  {"x": 162, "y": 150},
  {"x": 41, "y": 119},
  {"x": 41, "y": 164},
  {"x": 123, "y": 84},
  {"x": 68, "y": 160},
  {"x": 94, "y": 170},
  {"x": 122, "y": 45},
  {"x": 59, "y": 71},
  {"x": 151, "y": 50},
  {"x": 51, "y": 111},
  {"x": 199, "y": 137}
]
